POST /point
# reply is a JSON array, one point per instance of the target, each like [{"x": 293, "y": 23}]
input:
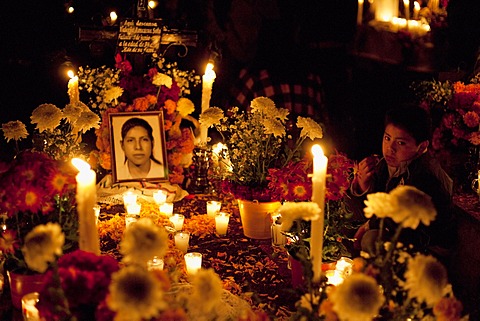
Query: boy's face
[{"x": 399, "y": 146}]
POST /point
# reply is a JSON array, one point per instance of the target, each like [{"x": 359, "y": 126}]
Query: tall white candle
[
  {"x": 207, "y": 83},
  {"x": 360, "y": 12},
  {"x": 406, "y": 6},
  {"x": 320, "y": 162},
  {"x": 416, "y": 10},
  {"x": 73, "y": 91},
  {"x": 86, "y": 200}
]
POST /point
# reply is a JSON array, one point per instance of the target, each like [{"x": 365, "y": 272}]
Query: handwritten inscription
[{"x": 139, "y": 36}]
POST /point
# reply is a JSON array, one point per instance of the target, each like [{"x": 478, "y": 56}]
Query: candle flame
[
  {"x": 317, "y": 150},
  {"x": 80, "y": 164},
  {"x": 70, "y": 73},
  {"x": 209, "y": 68}
]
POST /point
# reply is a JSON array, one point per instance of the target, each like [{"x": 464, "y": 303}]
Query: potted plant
[{"x": 257, "y": 140}]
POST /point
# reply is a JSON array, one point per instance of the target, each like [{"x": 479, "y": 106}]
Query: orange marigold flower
[
  {"x": 176, "y": 314},
  {"x": 9, "y": 242},
  {"x": 31, "y": 200},
  {"x": 359, "y": 264},
  {"x": 175, "y": 178},
  {"x": 474, "y": 138},
  {"x": 163, "y": 277},
  {"x": 167, "y": 124},
  {"x": 58, "y": 182},
  {"x": 170, "y": 106},
  {"x": 471, "y": 119},
  {"x": 105, "y": 160}
]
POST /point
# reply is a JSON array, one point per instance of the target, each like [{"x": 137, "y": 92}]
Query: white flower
[
  {"x": 142, "y": 241},
  {"x": 71, "y": 112},
  {"x": 378, "y": 204},
  {"x": 425, "y": 279},
  {"x": 15, "y": 130},
  {"x": 135, "y": 294},
  {"x": 310, "y": 128},
  {"x": 113, "y": 93},
  {"x": 86, "y": 121},
  {"x": 292, "y": 211},
  {"x": 211, "y": 116},
  {"x": 46, "y": 117},
  {"x": 274, "y": 127},
  {"x": 162, "y": 80},
  {"x": 358, "y": 298},
  {"x": 412, "y": 206},
  {"x": 42, "y": 245},
  {"x": 207, "y": 291},
  {"x": 185, "y": 107}
]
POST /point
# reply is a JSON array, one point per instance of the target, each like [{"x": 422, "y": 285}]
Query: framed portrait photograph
[{"x": 138, "y": 147}]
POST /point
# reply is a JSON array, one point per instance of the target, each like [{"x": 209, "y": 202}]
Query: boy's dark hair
[{"x": 413, "y": 119}]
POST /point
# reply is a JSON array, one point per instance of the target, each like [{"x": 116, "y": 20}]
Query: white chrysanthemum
[
  {"x": 207, "y": 291},
  {"x": 358, "y": 298},
  {"x": 211, "y": 116},
  {"x": 15, "y": 130},
  {"x": 379, "y": 204},
  {"x": 425, "y": 279},
  {"x": 307, "y": 300},
  {"x": 412, "y": 206},
  {"x": 310, "y": 128},
  {"x": 143, "y": 240},
  {"x": 162, "y": 80},
  {"x": 71, "y": 112},
  {"x": 46, "y": 116},
  {"x": 274, "y": 127},
  {"x": 113, "y": 93},
  {"x": 135, "y": 294},
  {"x": 42, "y": 245},
  {"x": 292, "y": 211},
  {"x": 185, "y": 106},
  {"x": 260, "y": 104},
  {"x": 86, "y": 121}
]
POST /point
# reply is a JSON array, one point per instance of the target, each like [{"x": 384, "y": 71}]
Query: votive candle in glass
[
  {"x": 344, "y": 265},
  {"x": 177, "y": 220},
  {"x": 155, "y": 264},
  {"x": 130, "y": 218},
  {"x": 166, "y": 209},
  {"x": 129, "y": 198},
  {"x": 29, "y": 309},
  {"x": 334, "y": 277},
  {"x": 181, "y": 241},
  {"x": 160, "y": 196},
  {"x": 213, "y": 207},
  {"x": 221, "y": 223},
  {"x": 193, "y": 262},
  {"x": 134, "y": 208}
]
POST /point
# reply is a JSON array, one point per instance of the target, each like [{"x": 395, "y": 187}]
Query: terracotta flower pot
[
  {"x": 21, "y": 284},
  {"x": 256, "y": 218}
]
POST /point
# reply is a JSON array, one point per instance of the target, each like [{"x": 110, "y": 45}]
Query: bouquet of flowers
[
  {"x": 35, "y": 189},
  {"x": 393, "y": 283},
  {"x": 455, "y": 108},
  {"x": 257, "y": 141},
  {"x": 162, "y": 88}
]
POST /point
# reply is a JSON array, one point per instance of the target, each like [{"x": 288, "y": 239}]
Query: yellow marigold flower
[{"x": 15, "y": 130}]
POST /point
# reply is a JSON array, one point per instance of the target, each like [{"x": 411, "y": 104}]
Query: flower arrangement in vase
[
  {"x": 257, "y": 140},
  {"x": 162, "y": 88}
]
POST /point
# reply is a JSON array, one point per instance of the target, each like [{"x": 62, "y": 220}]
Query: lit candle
[
  {"x": 166, "y": 209},
  {"x": 344, "y": 266},
  {"x": 181, "y": 241},
  {"x": 73, "y": 91},
  {"x": 334, "y": 277},
  {"x": 416, "y": 10},
  {"x": 193, "y": 262},
  {"x": 318, "y": 196},
  {"x": 96, "y": 209},
  {"x": 129, "y": 198},
  {"x": 278, "y": 238},
  {"x": 221, "y": 223},
  {"x": 360, "y": 12},
  {"x": 160, "y": 196},
  {"x": 134, "y": 208},
  {"x": 406, "y": 6},
  {"x": 130, "y": 218},
  {"x": 155, "y": 264},
  {"x": 207, "y": 83},
  {"x": 177, "y": 220},
  {"x": 29, "y": 309},
  {"x": 86, "y": 199},
  {"x": 213, "y": 207}
]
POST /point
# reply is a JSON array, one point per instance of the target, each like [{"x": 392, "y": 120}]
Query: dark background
[{"x": 40, "y": 41}]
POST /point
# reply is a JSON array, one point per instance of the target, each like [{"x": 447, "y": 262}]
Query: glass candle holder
[
  {"x": 213, "y": 207},
  {"x": 129, "y": 198},
  {"x": 155, "y": 264},
  {"x": 166, "y": 209},
  {"x": 134, "y": 208},
  {"x": 177, "y": 220},
  {"x": 334, "y": 277},
  {"x": 182, "y": 240},
  {"x": 160, "y": 196},
  {"x": 29, "y": 309},
  {"x": 130, "y": 218},
  {"x": 344, "y": 266},
  {"x": 278, "y": 238},
  {"x": 193, "y": 262},
  {"x": 221, "y": 223}
]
